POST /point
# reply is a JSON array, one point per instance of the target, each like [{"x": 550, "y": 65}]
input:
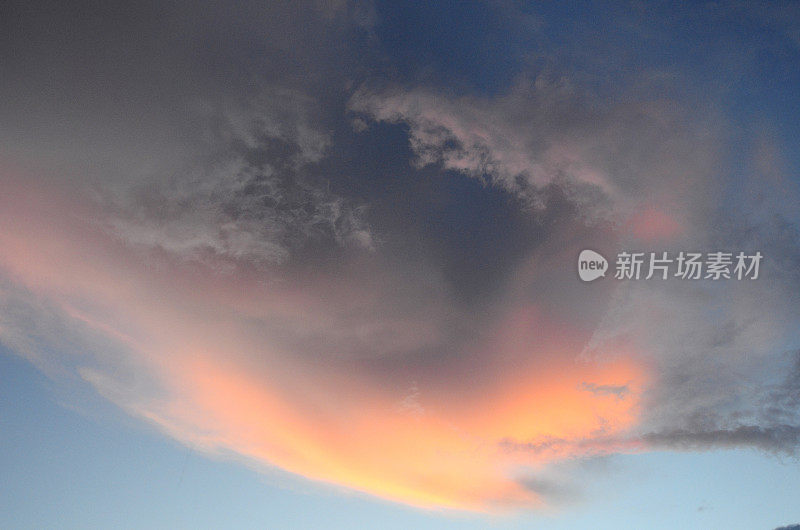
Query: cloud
[
  {"x": 222, "y": 361},
  {"x": 547, "y": 130},
  {"x": 373, "y": 287},
  {"x": 365, "y": 370},
  {"x": 253, "y": 197},
  {"x": 634, "y": 157},
  {"x": 776, "y": 439},
  {"x": 245, "y": 308}
]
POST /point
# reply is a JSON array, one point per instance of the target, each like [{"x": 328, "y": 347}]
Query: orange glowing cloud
[{"x": 221, "y": 379}]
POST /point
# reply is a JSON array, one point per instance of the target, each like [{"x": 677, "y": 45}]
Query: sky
[{"x": 316, "y": 264}]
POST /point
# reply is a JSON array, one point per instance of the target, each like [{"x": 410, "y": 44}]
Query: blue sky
[{"x": 313, "y": 265}]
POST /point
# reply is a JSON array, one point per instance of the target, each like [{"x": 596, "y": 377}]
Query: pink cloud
[{"x": 199, "y": 355}]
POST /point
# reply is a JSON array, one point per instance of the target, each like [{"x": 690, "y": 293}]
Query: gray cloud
[
  {"x": 777, "y": 439},
  {"x": 550, "y": 130},
  {"x": 254, "y": 197},
  {"x": 782, "y": 439},
  {"x": 195, "y": 125},
  {"x": 710, "y": 345}
]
